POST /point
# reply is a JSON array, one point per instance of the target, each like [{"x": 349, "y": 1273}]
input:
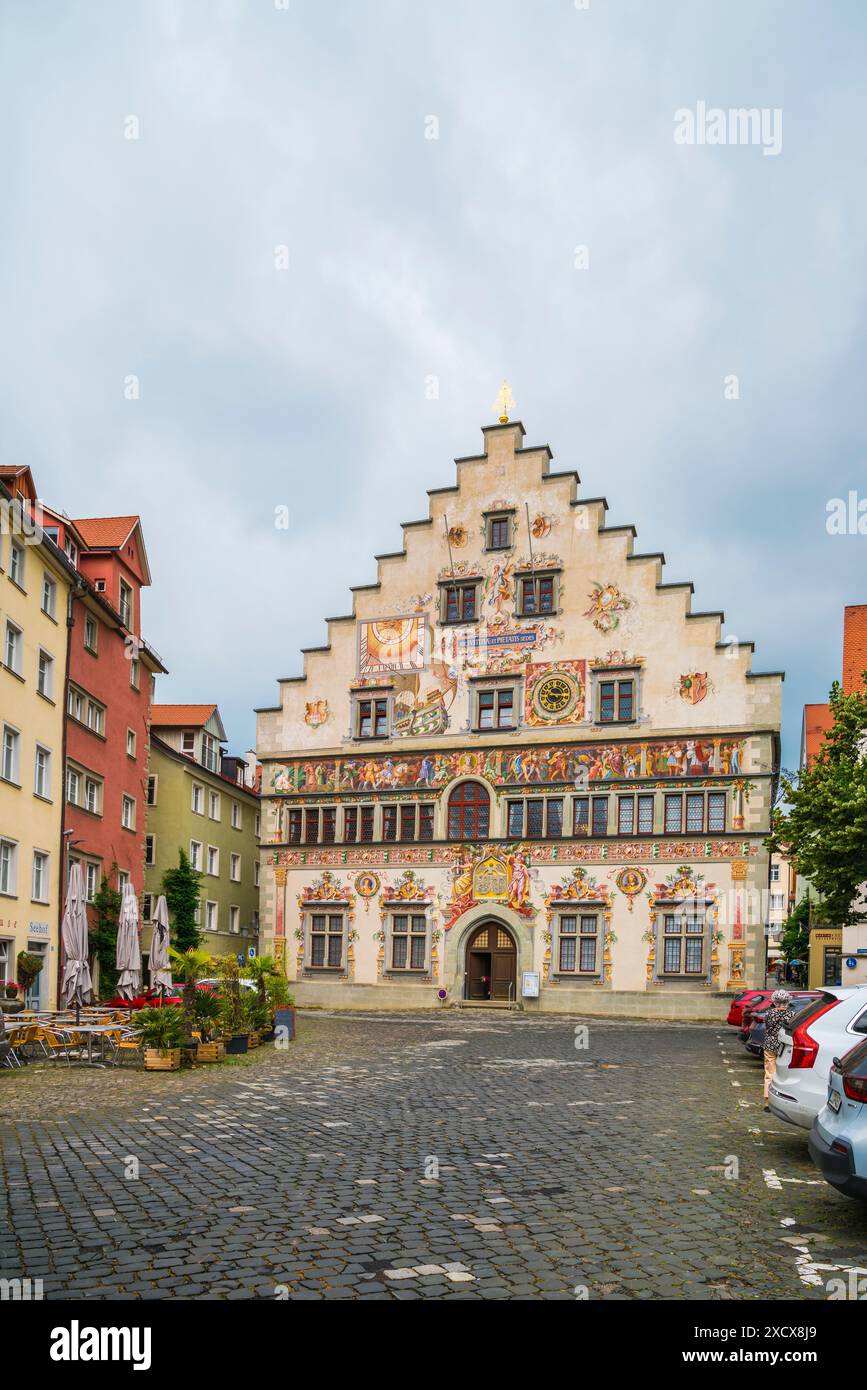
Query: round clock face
[{"x": 556, "y": 696}]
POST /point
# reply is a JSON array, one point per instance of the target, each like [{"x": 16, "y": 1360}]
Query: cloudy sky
[{"x": 304, "y": 124}]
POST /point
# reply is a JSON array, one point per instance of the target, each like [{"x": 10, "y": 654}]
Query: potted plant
[
  {"x": 207, "y": 1014},
  {"x": 282, "y": 1008},
  {"x": 189, "y": 966},
  {"x": 236, "y": 1029},
  {"x": 29, "y": 969},
  {"x": 162, "y": 1033}
]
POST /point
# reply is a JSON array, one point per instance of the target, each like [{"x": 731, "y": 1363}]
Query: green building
[{"x": 206, "y": 803}]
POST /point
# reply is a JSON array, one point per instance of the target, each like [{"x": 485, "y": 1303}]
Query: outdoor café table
[{"x": 90, "y": 1031}]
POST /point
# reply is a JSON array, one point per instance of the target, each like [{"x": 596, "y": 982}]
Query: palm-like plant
[
  {"x": 191, "y": 965},
  {"x": 260, "y": 969}
]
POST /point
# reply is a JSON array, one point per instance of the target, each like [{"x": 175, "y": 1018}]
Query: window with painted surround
[
  {"x": 578, "y": 944},
  {"x": 537, "y": 593},
  {"x": 406, "y": 943},
  {"x": 695, "y": 813},
  {"x": 615, "y": 697},
  {"x": 635, "y": 814},
  {"x": 469, "y": 812},
  {"x": 459, "y": 601},
  {"x": 498, "y": 530},
  {"x": 535, "y": 818},
  {"x": 326, "y": 933},
  {"x": 684, "y": 942},
  {"x": 371, "y": 716},
  {"x": 495, "y": 706}
]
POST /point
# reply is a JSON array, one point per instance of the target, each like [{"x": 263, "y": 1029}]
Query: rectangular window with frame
[
  {"x": 498, "y": 531},
  {"x": 408, "y": 941},
  {"x": 495, "y": 709},
  {"x": 645, "y": 815},
  {"x": 127, "y": 813},
  {"x": 45, "y": 674},
  {"x": 459, "y": 602},
  {"x": 235, "y": 868},
  {"x": 581, "y": 815},
  {"x": 673, "y": 814},
  {"x": 16, "y": 564},
  {"x": 537, "y": 594},
  {"x": 12, "y": 648},
  {"x": 311, "y": 826},
  {"x": 329, "y": 824},
  {"x": 196, "y": 855},
  {"x": 367, "y": 824},
  {"x": 49, "y": 596},
  {"x": 130, "y": 743},
  {"x": 42, "y": 773},
  {"x": 8, "y": 867},
  {"x": 237, "y": 816},
  {"x": 407, "y": 821},
  {"x": 615, "y": 699},
  {"x": 10, "y": 754},
  {"x": 716, "y": 820},
  {"x": 600, "y": 815},
  {"x": 578, "y": 944},
  {"x": 198, "y": 801},
  {"x": 683, "y": 944},
  {"x": 125, "y": 604},
  {"x": 372, "y": 718},
  {"x": 626, "y": 815},
  {"x": 151, "y": 795},
  {"x": 92, "y": 877},
  {"x": 91, "y": 632},
  {"x": 213, "y": 861},
  {"x": 389, "y": 823},
  {"x": 150, "y": 849},
  {"x": 426, "y": 821},
  {"x": 326, "y": 941},
  {"x": 211, "y": 916},
  {"x": 350, "y": 824},
  {"x": 39, "y": 888}
]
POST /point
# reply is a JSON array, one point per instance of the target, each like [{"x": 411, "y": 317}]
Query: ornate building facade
[{"x": 522, "y": 770}]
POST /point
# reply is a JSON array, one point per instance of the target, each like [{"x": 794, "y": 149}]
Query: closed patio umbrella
[
  {"x": 161, "y": 974},
  {"x": 128, "y": 955},
  {"x": 77, "y": 985}
]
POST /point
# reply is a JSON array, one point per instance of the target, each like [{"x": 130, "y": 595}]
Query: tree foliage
[
  {"x": 103, "y": 934},
  {"x": 181, "y": 887},
  {"x": 823, "y": 822}
]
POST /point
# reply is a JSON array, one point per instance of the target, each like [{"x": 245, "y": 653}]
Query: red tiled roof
[
  {"x": 854, "y": 647},
  {"x": 174, "y": 716},
  {"x": 112, "y": 531}
]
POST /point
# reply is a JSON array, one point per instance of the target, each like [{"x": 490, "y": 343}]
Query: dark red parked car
[
  {"x": 739, "y": 1003},
  {"x": 150, "y": 999}
]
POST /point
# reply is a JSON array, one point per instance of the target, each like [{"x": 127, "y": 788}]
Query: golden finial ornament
[{"x": 504, "y": 402}]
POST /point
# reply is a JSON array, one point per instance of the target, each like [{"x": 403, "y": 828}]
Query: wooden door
[{"x": 491, "y": 963}]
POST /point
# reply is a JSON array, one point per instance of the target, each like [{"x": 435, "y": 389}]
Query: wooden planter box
[
  {"x": 253, "y": 1040},
  {"x": 210, "y": 1052},
  {"x": 155, "y": 1060}
]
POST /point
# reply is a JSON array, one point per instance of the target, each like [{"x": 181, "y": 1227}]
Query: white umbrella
[
  {"x": 77, "y": 985},
  {"x": 161, "y": 974},
  {"x": 128, "y": 955}
]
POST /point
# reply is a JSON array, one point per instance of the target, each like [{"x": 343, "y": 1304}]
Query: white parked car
[{"x": 826, "y": 1028}]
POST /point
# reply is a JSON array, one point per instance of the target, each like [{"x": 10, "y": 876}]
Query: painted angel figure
[{"x": 519, "y": 881}]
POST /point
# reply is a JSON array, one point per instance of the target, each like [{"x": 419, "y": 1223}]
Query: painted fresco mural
[
  {"x": 530, "y": 765},
  {"x": 554, "y": 693},
  {"x": 391, "y": 644}
]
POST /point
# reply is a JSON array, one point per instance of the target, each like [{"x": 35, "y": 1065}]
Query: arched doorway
[{"x": 491, "y": 963}]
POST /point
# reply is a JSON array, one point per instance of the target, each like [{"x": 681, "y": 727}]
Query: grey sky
[{"x": 454, "y": 257}]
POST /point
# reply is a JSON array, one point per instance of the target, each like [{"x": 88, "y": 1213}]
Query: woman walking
[{"x": 776, "y": 1019}]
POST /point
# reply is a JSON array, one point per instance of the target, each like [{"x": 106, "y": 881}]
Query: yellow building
[{"x": 35, "y": 582}]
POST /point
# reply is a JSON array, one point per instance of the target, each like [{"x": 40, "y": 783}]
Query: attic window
[{"x": 99, "y": 585}]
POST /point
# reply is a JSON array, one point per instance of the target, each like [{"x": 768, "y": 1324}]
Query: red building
[
  {"x": 817, "y": 718},
  {"x": 109, "y": 689}
]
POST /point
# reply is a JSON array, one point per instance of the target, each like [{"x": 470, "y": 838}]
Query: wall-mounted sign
[
  {"x": 530, "y": 984},
  {"x": 851, "y": 962}
]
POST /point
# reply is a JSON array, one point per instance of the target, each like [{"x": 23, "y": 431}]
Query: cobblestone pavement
[{"x": 459, "y": 1155}]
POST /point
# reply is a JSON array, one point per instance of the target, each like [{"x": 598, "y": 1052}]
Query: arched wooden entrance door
[{"x": 492, "y": 963}]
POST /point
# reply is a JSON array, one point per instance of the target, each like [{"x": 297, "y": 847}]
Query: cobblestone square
[{"x": 462, "y": 1155}]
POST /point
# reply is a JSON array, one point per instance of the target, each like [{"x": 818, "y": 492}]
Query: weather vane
[{"x": 504, "y": 402}]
